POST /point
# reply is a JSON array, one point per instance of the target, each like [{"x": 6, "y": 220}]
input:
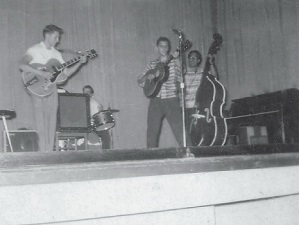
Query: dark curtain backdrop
[{"x": 259, "y": 52}]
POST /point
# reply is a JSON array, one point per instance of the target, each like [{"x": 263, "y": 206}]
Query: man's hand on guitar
[
  {"x": 45, "y": 74},
  {"x": 151, "y": 76},
  {"x": 83, "y": 59}
]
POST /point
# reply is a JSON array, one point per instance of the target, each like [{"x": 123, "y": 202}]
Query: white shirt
[
  {"x": 95, "y": 107},
  {"x": 40, "y": 54}
]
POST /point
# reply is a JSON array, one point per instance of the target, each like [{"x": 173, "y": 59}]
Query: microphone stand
[{"x": 182, "y": 86}]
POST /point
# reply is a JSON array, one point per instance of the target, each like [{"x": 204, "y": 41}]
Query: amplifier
[
  {"x": 73, "y": 112},
  {"x": 21, "y": 141}
]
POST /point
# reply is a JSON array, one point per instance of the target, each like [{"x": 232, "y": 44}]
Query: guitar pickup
[{"x": 31, "y": 82}]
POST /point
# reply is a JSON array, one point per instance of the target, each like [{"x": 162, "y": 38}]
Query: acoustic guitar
[
  {"x": 152, "y": 86},
  {"x": 41, "y": 86}
]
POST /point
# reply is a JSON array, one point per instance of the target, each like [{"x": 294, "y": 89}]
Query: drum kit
[{"x": 104, "y": 120}]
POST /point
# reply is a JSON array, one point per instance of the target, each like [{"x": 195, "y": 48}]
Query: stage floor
[{"x": 45, "y": 167}]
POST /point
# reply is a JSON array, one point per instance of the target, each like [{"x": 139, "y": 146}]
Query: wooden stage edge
[
  {"x": 71, "y": 166},
  {"x": 18, "y": 159}
]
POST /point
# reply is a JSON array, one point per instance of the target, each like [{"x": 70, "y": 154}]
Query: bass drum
[{"x": 103, "y": 120}]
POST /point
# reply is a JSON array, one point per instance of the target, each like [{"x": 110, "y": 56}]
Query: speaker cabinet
[
  {"x": 73, "y": 112},
  {"x": 21, "y": 141}
]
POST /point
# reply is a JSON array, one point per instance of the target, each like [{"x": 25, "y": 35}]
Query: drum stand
[
  {"x": 7, "y": 114},
  {"x": 111, "y": 139},
  {"x": 7, "y": 133}
]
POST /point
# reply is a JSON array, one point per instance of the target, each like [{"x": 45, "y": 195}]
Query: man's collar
[{"x": 44, "y": 45}]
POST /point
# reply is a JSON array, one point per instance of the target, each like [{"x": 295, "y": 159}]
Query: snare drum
[{"x": 103, "y": 120}]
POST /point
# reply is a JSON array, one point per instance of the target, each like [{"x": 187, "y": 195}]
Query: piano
[{"x": 278, "y": 111}]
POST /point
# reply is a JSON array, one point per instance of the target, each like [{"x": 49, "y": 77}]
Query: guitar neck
[
  {"x": 186, "y": 45},
  {"x": 68, "y": 63},
  {"x": 207, "y": 66},
  {"x": 170, "y": 58}
]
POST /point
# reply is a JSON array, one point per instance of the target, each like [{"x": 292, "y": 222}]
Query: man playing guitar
[
  {"x": 45, "y": 107},
  {"x": 165, "y": 102}
]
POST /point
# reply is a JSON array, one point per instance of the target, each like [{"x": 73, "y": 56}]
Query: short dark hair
[
  {"x": 163, "y": 39},
  {"x": 89, "y": 87},
  {"x": 49, "y": 29},
  {"x": 195, "y": 52}
]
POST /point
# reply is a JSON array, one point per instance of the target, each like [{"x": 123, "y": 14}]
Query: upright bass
[{"x": 208, "y": 126}]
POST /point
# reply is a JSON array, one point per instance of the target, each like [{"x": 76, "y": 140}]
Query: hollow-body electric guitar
[
  {"x": 41, "y": 86},
  {"x": 152, "y": 86}
]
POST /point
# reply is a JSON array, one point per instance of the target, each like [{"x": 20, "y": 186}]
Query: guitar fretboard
[
  {"x": 68, "y": 63},
  {"x": 168, "y": 60},
  {"x": 186, "y": 45},
  {"x": 92, "y": 53}
]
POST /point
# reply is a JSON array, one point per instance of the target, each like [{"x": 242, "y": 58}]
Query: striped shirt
[
  {"x": 192, "y": 82},
  {"x": 168, "y": 88}
]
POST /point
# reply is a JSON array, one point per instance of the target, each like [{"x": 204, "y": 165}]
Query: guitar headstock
[
  {"x": 91, "y": 53},
  {"x": 186, "y": 45}
]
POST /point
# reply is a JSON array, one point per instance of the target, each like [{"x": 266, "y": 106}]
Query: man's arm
[
  {"x": 24, "y": 65},
  {"x": 68, "y": 72},
  {"x": 71, "y": 70},
  {"x": 142, "y": 78}
]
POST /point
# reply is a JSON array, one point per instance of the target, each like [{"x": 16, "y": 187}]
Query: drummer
[{"x": 96, "y": 107}]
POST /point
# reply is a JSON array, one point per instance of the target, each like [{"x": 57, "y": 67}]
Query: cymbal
[{"x": 112, "y": 110}]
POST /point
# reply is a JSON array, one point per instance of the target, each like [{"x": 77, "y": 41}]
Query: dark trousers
[{"x": 157, "y": 111}]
